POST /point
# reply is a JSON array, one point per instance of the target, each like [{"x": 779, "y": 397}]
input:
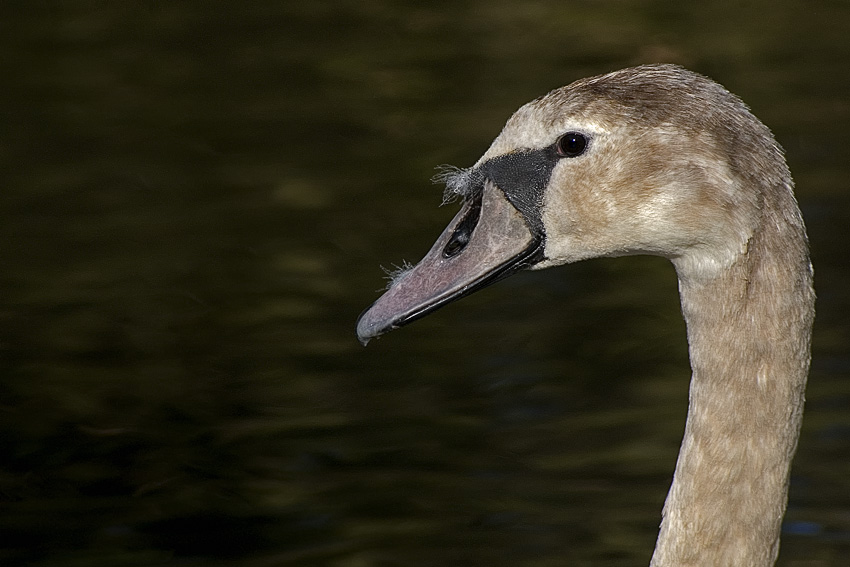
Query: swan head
[{"x": 647, "y": 160}]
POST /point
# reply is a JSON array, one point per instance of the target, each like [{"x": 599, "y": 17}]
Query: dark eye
[{"x": 571, "y": 144}]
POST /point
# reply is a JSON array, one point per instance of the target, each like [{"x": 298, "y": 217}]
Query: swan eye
[{"x": 571, "y": 144}]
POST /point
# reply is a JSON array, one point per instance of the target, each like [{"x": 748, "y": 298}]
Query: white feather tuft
[
  {"x": 459, "y": 181},
  {"x": 396, "y": 272}
]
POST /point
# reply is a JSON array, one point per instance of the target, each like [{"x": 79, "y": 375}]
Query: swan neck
[{"x": 749, "y": 331}]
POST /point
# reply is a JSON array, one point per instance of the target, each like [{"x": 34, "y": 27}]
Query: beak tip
[
  {"x": 368, "y": 327},
  {"x": 363, "y": 334}
]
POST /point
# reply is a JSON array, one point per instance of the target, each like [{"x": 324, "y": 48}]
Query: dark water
[{"x": 196, "y": 199}]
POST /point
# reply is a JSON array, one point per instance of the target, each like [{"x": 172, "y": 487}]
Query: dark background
[{"x": 195, "y": 199}]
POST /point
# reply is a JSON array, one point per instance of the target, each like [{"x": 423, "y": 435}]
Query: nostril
[
  {"x": 457, "y": 243},
  {"x": 463, "y": 233}
]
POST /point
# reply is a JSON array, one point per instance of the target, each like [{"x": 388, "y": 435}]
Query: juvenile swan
[{"x": 657, "y": 160}]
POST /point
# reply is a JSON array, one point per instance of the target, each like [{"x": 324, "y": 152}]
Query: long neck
[{"x": 749, "y": 333}]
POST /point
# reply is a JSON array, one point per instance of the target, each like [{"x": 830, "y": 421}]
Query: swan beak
[{"x": 488, "y": 240}]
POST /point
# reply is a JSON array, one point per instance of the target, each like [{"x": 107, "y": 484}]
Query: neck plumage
[{"x": 749, "y": 333}]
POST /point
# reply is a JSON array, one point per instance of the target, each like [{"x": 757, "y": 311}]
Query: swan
[{"x": 657, "y": 160}]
